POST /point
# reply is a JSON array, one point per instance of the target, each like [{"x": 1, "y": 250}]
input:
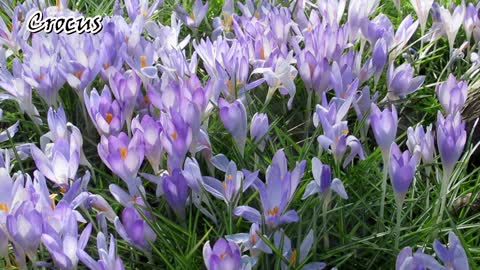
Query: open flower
[
  {"x": 224, "y": 255},
  {"x": 401, "y": 81},
  {"x": 452, "y": 255},
  {"x": 105, "y": 112},
  {"x": 195, "y": 17},
  {"x": 322, "y": 181}
]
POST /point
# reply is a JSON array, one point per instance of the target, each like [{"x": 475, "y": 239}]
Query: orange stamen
[
  {"x": 4, "y": 207},
  {"x": 143, "y": 61},
  {"x": 123, "y": 153},
  {"x": 109, "y": 118}
]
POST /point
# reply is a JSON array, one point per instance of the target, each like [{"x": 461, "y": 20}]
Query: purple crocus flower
[
  {"x": 402, "y": 168},
  {"x": 408, "y": 260},
  {"x": 384, "y": 125},
  {"x": 234, "y": 118},
  {"x": 251, "y": 241},
  {"x": 125, "y": 87},
  {"x": 452, "y": 94},
  {"x": 401, "y": 81},
  {"x": 176, "y": 138},
  {"x": 423, "y": 142},
  {"x": 379, "y": 57},
  {"x": 23, "y": 228},
  {"x": 151, "y": 129},
  {"x": 224, "y": 255},
  {"x": 107, "y": 253},
  {"x": 451, "y": 22},
  {"x": 105, "y": 112},
  {"x": 471, "y": 20},
  {"x": 422, "y": 8},
  {"x": 134, "y": 229},
  {"x": 258, "y": 129},
  {"x": 140, "y": 8},
  {"x": 176, "y": 191},
  {"x": 322, "y": 181},
  {"x": 275, "y": 194},
  {"x": 62, "y": 243},
  {"x": 404, "y": 32},
  {"x": 122, "y": 155},
  {"x": 452, "y": 255},
  {"x": 296, "y": 257},
  {"x": 451, "y": 138},
  {"x": 195, "y": 17},
  {"x": 379, "y": 27}
]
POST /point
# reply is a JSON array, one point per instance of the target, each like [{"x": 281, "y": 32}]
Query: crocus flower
[
  {"x": 125, "y": 87},
  {"x": 175, "y": 190},
  {"x": 451, "y": 138},
  {"x": 107, "y": 253},
  {"x": 379, "y": 57},
  {"x": 251, "y": 241},
  {"x": 452, "y": 94},
  {"x": 357, "y": 12},
  {"x": 408, "y": 260},
  {"x": 421, "y": 141},
  {"x": 224, "y": 255},
  {"x": 122, "y": 155},
  {"x": 23, "y": 228},
  {"x": 401, "y": 81},
  {"x": 195, "y": 17},
  {"x": 471, "y": 20},
  {"x": 422, "y": 8},
  {"x": 105, "y": 112},
  {"x": 258, "y": 129},
  {"x": 452, "y": 255},
  {"x": 296, "y": 256},
  {"x": 279, "y": 181},
  {"x": 151, "y": 129},
  {"x": 451, "y": 22},
  {"x": 176, "y": 138},
  {"x": 402, "y": 168},
  {"x": 379, "y": 27},
  {"x": 140, "y": 8},
  {"x": 280, "y": 78},
  {"x": 8, "y": 133},
  {"x": 234, "y": 118},
  {"x": 322, "y": 181},
  {"x": 404, "y": 32},
  {"x": 384, "y": 125},
  {"x": 134, "y": 229},
  {"x": 63, "y": 242}
]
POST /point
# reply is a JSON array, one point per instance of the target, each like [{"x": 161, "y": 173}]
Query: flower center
[
  {"x": 52, "y": 200},
  {"x": 223, "y": 255},
  {"x": 143, "y": 61},
  {"x": 293, "y": 257},
  {"x": 262, "y": 53},
  {"x": 106, "y": 66},
  {"x": 4, "y": 207},
  {"x": 109, "y": 118},
  {"x": 174, "y": 135},
  {"x": 253, "y": 239},
  {"x": 79, "y": 74},
  {"x": 146, "y": 99},
  {"x": 123, "y": 153},
  {"x": 273, "y": 211}
]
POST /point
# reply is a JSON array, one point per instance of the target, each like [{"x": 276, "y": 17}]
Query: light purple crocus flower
[
  {"x": 404, "y": 32},
  {"x": 422, "y": 8},
  {"x": 224, "y": 255},
  {"x": 379, "y": 27},
  {"x": 151, "y": 129},
  {"x": 452, "y": 94},
  {"x": 423, "y": 142},
  {"x": 401, "y": 81},
  {"x": 322, "y": 181},
  {"x": 451, "y": 138},
  {"x": 63, "y": 244},
  {"x": 176, "y": 191},
  {"x": 23, "y": 227},
  {"x": 122, "y": 155},
  {"x": 471, "y": 20},
  {"x": 134, "y": 229},
  {"x": 251, "y": 241},
  {"x": 234, "y": 118},
  {"x": 258, "y": 129},
  {"x": 137, "y": 8},
  {"x": 402, "y": 168},
  {"x": 275, "y": 194},
  {"x": 125, "y": 87},
  {"x": 176, "y": 138},
  {"x": 195, "y": 17},
  {"x": 451, "y": 22},
  {"x": 409, "y": 260},
  {"x": 384, "y": 125},
  {"x": 296, "y": 257},
  {"x": 107, "y": 253},
  {"x": 452, "y": 255},
  {"x": 105, "y": 112},
  {"x": 379, "y": 57}
]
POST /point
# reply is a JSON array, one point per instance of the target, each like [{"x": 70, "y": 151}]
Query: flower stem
[
  {"x": 326, "y": 201},
  {"x": 385, "y": 156},
  {"x": 308, "y": 113},
  {"x": 447, "y": 173},
  {"x": 399, "y": 198}
]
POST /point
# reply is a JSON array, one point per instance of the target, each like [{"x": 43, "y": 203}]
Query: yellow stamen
[
  {"x": 273, "y": 211},
  {"x": 146, "y": 99},
  {"x": 52, "y": 200},
  {"x": 192, "y": 15},
  {"x": 143, "y": 61},
  {"x": 40, "y": 77},
  {"x": 229, "y": 177},
  {"x": 253, "y": 239},
  {"x": 109, "y": 118},
  {"x": 63, "y": 189},
  {"x": 79, "y": 74},
  {"x": 106, "y": 66},
  {"x": 223, "y": 255},
  {"x": 133, "y": 198},
  {"x": 123, "y": 153},
  {"x": 4, "y": 207},
  {"x": 262, "y": 53},
  {"x": 57, "y": 3},
  {"x": 345, "y": 131},
  {"x": 224, "y": 185},
  {"x": 174, "y": 135},
  {"x": 257, "y": 15},
  {"x": 293, "y": 257}
]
